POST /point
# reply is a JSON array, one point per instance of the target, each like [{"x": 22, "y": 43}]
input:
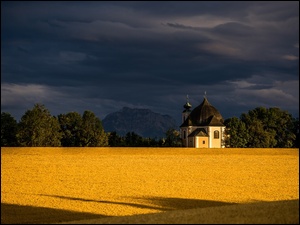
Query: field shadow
[
  {"x": 137, "y": 205},
  {"x": 260, "y": 212},
  {"x": 18, "y": 214},
  {"x": 173, "y": 210},
  {"x": 166, "y": 203},
  {"x": 156, "y": 203}
]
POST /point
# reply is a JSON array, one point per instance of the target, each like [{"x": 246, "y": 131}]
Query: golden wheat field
[{"x": 52, "y": 185}]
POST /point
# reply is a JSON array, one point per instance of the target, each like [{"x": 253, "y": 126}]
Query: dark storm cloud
[{"x": 105, "y": 55}]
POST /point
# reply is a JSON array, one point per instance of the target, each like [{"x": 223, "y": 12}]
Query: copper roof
[{"x": 204, "y": 115}]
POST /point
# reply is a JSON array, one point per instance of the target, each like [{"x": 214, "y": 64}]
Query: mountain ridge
[{"x": 141, "y": 121}]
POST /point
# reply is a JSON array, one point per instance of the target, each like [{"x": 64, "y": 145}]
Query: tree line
[
  {"x": 259, "y": 128},
  {"x": 38, "y": 128},
  {"x": 263, "y": 128}
]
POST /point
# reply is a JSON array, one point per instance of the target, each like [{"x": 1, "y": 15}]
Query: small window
[
  {"x": 203, "y": 142},
  {"x": 184, "y": 135},
  {"x": 216, "y": 134}
]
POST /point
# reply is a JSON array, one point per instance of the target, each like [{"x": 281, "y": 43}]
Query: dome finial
[
  {"x": 204, "y": 94},
  {"x": 187, "y": 104}
]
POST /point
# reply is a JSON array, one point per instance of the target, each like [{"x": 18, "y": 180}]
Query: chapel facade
[{"x": 202, "y": 127}]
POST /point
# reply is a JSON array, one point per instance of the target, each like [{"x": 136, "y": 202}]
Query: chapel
[{"x": 202, "y": 127}]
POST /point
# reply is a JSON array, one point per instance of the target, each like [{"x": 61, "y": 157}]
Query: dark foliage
[
  {"x": 263, "y": 128},
  {"x": 8, "y": 130},
  {"x": 259, "y": 128}
]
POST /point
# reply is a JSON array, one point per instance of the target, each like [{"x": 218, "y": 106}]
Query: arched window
[
  {"x": 216, "y": 134},
  {"x": 184, "y": 135}
]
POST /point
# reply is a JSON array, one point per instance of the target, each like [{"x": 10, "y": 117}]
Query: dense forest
[{"x": 259, "y": 128}]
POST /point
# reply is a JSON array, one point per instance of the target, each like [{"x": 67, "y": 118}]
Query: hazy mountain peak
[{"x": 143, "y": 122}]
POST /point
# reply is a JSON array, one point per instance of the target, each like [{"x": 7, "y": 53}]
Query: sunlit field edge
[{"x": 101, "y": 182}]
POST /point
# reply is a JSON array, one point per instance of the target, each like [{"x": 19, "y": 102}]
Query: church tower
[
  {"x": 203, "y": 127},
  {"x": 186, "y": 112}
]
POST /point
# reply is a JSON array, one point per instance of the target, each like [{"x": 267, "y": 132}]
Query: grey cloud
[
  {"x": 234, "y": 29},
  {"x": 105, "y": 55}
]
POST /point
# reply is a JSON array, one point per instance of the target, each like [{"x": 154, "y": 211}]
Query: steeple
[
  {"x": 187, "y": 110},
  {"x": 187, "y": 105}
]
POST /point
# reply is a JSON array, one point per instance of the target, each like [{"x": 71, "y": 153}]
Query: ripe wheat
[{"x": 127, "y": 181}]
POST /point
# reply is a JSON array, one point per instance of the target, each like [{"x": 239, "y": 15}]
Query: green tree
[
  {"x": 133, "y": 140},
  {"x": 38, "y": 128},
  {"x": 173, "y": 138},
  {"x": 70, "y": 125},
  {"x": 269, "y": 128},
  {"x": 8, "y": 130},
  {"x": 258, "y": 136},
  {"x": 296, "y": 132},
  {"x": 280, "y": 123},
  {"x": 92, "y": 133},
  {"x": 150, "y": 142},
  {"x": 114, "y": 140},
  {"x": 237, "y": 132}
]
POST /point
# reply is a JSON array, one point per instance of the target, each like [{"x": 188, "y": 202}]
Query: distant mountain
[{"x": 143, "y": 122}]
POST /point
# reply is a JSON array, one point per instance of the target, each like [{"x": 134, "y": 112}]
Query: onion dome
[
  {"x": 204, "y": 115},
  {"x": 187, "y": 105}
]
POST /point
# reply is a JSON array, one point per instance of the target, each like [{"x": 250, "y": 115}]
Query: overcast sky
[{"x": 102, "y": 56}]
